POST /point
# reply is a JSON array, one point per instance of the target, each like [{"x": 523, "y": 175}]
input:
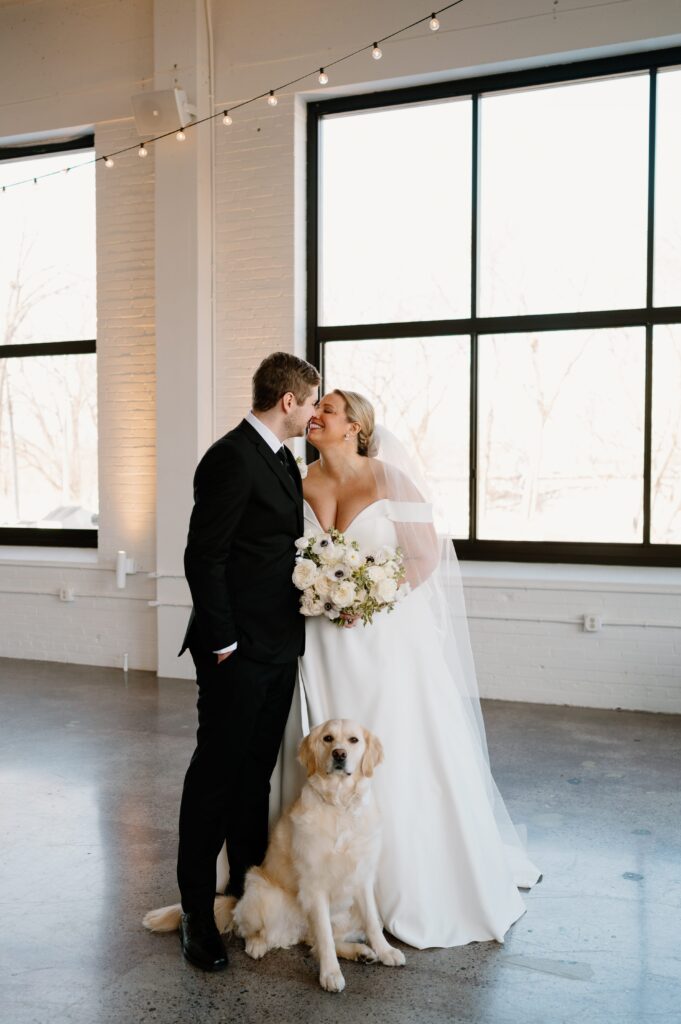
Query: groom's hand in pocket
[{"x": 223, "y": 657}]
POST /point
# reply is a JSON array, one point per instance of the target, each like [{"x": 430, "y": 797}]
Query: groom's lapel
[{"x": 273, "y": 462}]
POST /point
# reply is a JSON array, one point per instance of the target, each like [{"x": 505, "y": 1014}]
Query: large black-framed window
[
  {"x": 520, "y": 358},
  {"x": 48, "y": 394}
]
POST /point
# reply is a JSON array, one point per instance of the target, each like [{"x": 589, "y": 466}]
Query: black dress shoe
[{"x": 201, "y": 942}]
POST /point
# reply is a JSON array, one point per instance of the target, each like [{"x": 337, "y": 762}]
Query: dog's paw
[
  {"x": 392, "y": 957},
  {"x": 224, "y": 913},
  {"x": 332, "y": 981},
  {"x": 366, "y": 955},
  {"x": 256, "y": 947}
]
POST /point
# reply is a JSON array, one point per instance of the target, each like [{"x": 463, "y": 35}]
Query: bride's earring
[{"x": 347, "y": 437}]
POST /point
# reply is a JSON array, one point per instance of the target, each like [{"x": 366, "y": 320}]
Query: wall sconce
[{"x": 124, "y": 567}]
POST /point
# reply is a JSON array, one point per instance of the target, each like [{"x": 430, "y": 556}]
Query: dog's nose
[{"x": 339, "y": 754}]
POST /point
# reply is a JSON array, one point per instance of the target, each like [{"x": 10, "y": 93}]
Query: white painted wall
[{"x": 239, "y": 227}]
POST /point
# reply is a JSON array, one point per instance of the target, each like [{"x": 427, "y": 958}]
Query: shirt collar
[{"x": 266, "y": 434}]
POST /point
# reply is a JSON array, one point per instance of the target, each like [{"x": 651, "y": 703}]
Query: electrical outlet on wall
[
  {"x": 592, "y": 623},
  {"x": 67, "y": 594}
]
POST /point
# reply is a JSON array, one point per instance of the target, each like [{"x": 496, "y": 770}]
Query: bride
[{"x": 452, "y": 860}]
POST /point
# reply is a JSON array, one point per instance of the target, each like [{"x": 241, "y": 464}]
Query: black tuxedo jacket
[{"x": 240, "y": 554}]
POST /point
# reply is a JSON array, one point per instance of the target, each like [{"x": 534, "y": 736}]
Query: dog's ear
[
  {"x": 306, "y": 754},
  {"x": 373, "y": 754}
]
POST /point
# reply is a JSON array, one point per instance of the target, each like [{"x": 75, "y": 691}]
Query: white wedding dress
[{"x": 446, "y": 876}]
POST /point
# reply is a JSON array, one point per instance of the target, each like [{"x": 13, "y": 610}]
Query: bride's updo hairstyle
[{"x": 359, "y": 410}]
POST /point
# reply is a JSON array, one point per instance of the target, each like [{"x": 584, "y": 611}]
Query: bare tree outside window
[
  {"x": 48, "y": 411},
  {"x": 560, "y": 205}
]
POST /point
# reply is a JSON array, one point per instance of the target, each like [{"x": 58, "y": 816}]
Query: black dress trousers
[{"x": 242, "y": 707}]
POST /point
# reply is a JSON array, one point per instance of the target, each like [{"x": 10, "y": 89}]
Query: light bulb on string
[
  {"x": 376, "y": 52},
  {"x": 108, "y": 162},
  {"x": 226, "y": 119},
  {"x": 142, "y": 151},
  {"x": 323, "y": 77},
  {"x": 272, "y": 99},
  {"x": 433, "y": 24},
  {"x": 180, "y": 136}
]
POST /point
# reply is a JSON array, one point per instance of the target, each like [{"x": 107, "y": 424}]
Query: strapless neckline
[{"x": 354, "y": 519}]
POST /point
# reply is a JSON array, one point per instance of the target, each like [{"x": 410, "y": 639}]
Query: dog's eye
[
  {"x": 353, "y": 739},
  {"x": 328, "y": 739}
]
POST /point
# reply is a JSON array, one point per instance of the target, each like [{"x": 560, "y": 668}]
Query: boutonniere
[{"x": 301, "y": 466}]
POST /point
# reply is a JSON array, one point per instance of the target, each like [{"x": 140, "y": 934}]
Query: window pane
[
  {"x": 667, "y": 266},
  {"x": 48, "y": 253},
  {"x": 564, "y": 198},
  {"x": 48, "y": 442},
  {"x": 561, "y": 419},
  {"x": 665, "y": 525},
  {"x": 420, "y": 390},
  {"x": 395, "y": 220}
]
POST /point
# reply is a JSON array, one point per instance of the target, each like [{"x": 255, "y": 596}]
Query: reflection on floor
[{"x": 92, "y": 764}]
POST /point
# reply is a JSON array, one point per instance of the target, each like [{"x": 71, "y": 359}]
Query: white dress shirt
[{"x": 275, "y": 444}]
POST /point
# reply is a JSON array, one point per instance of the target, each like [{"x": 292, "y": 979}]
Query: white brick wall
[
  {"x": 529, "y": 643},
  {"x": 126, "y": 350},
  {"x": 254, "y": 250}
]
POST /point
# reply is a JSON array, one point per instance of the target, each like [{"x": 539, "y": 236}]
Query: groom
[{"x": 245, "y": 634}]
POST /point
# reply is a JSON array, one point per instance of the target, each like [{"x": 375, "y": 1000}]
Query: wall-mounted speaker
[{"x": 161, "y": 111}]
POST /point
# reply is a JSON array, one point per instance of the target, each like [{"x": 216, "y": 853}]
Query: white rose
[
  {"x": 305, "y": 574},
  {"x": 310, "y": 604},
  {"x": 386, "y": 590},
  {"x": 302, "y": 543},
  {"x": 376, "y": 573},
  {"x": 323, "y": 586},
  {"x": 343, "y": 594}
]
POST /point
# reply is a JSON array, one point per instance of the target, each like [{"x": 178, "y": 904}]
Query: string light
[{"x": 323, "y": 78}]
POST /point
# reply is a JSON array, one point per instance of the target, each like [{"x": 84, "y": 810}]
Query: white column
[{"x": 184, "y": 322}]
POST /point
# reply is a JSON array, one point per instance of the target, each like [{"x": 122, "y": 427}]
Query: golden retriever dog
[{"x": 316, "y": 884}]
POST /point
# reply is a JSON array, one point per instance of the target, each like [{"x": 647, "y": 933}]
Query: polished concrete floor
[{"x": 91, "y": 767}]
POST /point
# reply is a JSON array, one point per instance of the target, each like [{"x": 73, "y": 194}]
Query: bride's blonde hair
[{"x": 359, "y": 409}]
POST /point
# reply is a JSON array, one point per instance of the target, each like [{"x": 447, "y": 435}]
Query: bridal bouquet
[{"x": 339, "y": 581}]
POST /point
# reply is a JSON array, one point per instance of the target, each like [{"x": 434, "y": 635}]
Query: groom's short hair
[{"x": 280, "y": 373}]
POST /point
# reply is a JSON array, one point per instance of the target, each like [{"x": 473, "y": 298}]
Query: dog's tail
[{"x": 167, "y": 919}]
